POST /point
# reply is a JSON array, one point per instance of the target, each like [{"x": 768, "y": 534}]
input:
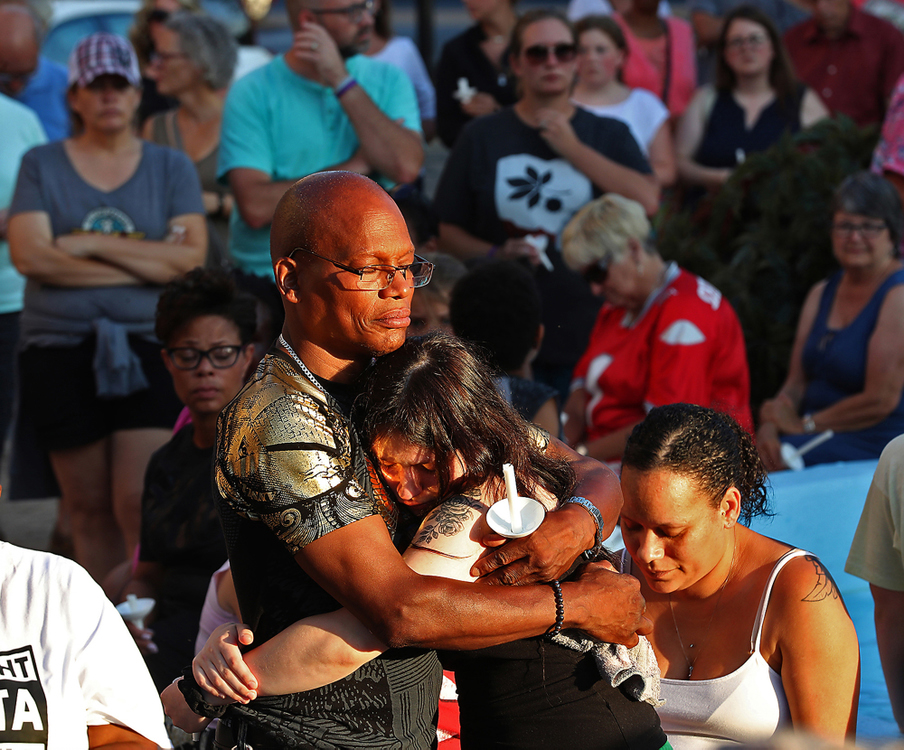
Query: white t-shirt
[
  {"x": 643, "y": 112},
  {"x": 67, "y": 660}
]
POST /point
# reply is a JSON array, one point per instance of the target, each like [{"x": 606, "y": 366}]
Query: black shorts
[{"x": 58, "y": 395}]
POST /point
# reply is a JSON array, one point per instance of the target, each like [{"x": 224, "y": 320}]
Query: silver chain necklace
[
  {"x": 690, "y": 664},
  {"x": 308, "y": 374}
]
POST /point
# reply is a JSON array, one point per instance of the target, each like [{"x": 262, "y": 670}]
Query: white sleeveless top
[{"x": 745, "y": 706}]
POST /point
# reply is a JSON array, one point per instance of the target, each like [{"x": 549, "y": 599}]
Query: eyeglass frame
[
  {"x": 165, "y": 57},
  {"x": 201, "y": 353},
  {"x": 754, "y": 41},
  {"x": 354, "y": 13},
  {"x": 597, "y": 272},
  {"x": 563, "y": 53},
  {"x": 391, "y": 271},
  {"x": 869, "y": 231}
]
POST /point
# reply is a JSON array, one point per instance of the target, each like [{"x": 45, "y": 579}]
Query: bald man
[
  {"x": 38, "y": 83},
  {"x": 309, "y": 528}
]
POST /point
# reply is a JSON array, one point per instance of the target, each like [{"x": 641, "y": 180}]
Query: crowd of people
[{"x": 274, "y": 383}]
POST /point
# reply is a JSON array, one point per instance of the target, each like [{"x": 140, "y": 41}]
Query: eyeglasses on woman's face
[
  {"x": 868, "y": 229},
  {"x": 753, "y": 41},
  {"x": 188, "y": 357},
  {"x": 596, "y": 273},
  {"x": 538, "y": 54}
]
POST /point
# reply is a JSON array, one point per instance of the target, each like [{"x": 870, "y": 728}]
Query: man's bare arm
[{"x": 358, "y": 565}]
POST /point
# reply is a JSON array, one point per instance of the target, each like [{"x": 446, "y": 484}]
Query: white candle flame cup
[
  {"x": 793, "y": 457},
  {"x": 135, "y": 609},
  {"x": 511, "y": 492},
  {"x": 529, "y": 513}
]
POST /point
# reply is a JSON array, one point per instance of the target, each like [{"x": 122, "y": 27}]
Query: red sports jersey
[{"x": 684, "y": 346}]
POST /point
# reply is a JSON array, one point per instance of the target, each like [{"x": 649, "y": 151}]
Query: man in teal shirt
[{"x": 320, "y": 106}]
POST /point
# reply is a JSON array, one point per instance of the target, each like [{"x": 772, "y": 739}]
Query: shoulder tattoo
[
  {"x": 448, "y": 519},
  {"x": 825, "y": 587}
]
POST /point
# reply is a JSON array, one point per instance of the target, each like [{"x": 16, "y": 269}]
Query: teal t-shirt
[
  {"x": 281, "y": 123},
  {"x": 21, "y": 131}
]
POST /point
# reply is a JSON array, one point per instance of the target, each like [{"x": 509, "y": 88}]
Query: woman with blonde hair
[{"x": 663, "y": 335}]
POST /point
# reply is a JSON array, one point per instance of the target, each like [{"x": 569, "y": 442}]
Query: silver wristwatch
[{"x": 594, "y": 552}]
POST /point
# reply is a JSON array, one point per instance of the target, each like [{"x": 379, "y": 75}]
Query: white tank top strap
[{"x": 757, "y": 635}]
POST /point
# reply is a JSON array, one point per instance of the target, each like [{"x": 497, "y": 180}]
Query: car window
[{"x": 62, "y": 39}]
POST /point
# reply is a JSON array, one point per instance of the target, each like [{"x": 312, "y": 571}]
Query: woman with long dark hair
[
  {"x": 755, "y": 99},
  {"x": 440, "y": 432}
]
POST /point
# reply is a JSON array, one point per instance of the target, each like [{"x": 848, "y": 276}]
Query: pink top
[
  {"x": 889, "y": 153},
  {"x": 640, "y": 71}
]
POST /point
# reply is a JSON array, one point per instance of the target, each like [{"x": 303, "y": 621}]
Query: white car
[{"x": 72, "y": 20}]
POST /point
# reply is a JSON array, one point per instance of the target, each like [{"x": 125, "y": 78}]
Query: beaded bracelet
[
  {"x": 346, "y": 85},
  {"x": 560, "y": 608}
]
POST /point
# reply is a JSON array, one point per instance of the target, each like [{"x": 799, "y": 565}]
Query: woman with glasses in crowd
[
  {"x": 98, "y": 224},
  {"x": 193, "y": 62},
  {"x": 143, "y": 35},
  {"x": 847, "y": 365},
  {"x": 755, "y": 99},
  {"x": 516, "y": 177},
  {"x": 662, "y": 336}
]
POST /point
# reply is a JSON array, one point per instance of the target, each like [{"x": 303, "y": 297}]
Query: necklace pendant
[
  {"x": 690, "y": 670},
  {"x": 690, "y": 645}
]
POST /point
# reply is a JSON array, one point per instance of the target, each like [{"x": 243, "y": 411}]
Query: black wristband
[
  {"x": 195, "y": 697},
  {"x": 560, "y": 608}
]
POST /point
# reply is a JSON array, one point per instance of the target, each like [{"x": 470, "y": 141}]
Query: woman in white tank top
[{"x": 751, "y": 635}]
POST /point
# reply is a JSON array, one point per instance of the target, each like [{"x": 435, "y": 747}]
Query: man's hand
[
  {"x": 313, "y": 45},
  {"x": 615, "y": 606},
  {"x": 219, "y": 667},
  {"x": 545, "y": 555}
]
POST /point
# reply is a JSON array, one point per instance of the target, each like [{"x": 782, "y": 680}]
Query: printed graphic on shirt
[
  {"x": 23, "y": 705},
  {"x": 539, "y": 194},
  {"x": 109, "y": 220}
]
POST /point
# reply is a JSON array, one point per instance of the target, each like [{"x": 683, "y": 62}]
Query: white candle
[{"x": 511, "y": 491}]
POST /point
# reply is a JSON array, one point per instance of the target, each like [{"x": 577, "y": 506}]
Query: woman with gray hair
[
  {"x": 847, "y": 365},
  {"x": 193, "y": 62},
  {"x": 663, "y": 335}
]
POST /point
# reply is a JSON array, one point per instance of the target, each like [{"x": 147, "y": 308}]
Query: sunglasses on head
[
  {"x": 596, "y": 273},
  {"x": 537, "y": 54}
]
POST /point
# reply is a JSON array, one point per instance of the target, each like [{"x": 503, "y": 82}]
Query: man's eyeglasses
[
  {"x": 188, "y": 358},
  {"x": 378, "y": 278},
  {"x": 752, "y": 40},
  {"x": 537, "y": 54},
  {"x": 596, "y": 273},
  {"x": 355, "y": 12},
  {"x": 870, "y": 230}
]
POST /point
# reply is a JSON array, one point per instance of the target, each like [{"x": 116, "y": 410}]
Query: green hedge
[{"x": 763, "y": 240}]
